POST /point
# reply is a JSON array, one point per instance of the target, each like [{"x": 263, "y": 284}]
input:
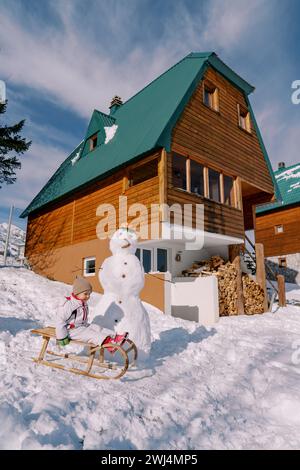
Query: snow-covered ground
[{"x": 233, "y": 386}]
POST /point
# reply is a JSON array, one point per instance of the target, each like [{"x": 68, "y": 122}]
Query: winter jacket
[{"x": 72, "y": 314}]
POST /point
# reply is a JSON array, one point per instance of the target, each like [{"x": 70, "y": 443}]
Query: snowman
[{"x": 122, "y": 279}]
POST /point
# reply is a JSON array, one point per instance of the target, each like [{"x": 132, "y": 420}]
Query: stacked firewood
[
  {"x": 253, "y": 296},
  {"x": 227, "y": 285}
]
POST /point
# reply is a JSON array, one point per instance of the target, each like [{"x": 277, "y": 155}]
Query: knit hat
[{"x": 81, "y": 285}]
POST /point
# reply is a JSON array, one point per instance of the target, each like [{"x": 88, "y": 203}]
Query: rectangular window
[
  {"x": 197, "y": 183},
  {"x": 282, "y": 262},
  {"x": 196, "y": 178},
  {"x": 179, "y": 171},
  {"x": 211, "y": 96},
  {"x": 153, "y": 259},
  {"x": 214, "y": 185},
  {"x": 244, "y": 118},
  {"x": 162, "y": 260},
  {"x": 145, "y": 256},
  {"x": 143, "y": 173},
  {"x": 93, "y": 142},
  {"x": 89, "y": 266},
  {"x": 147, "y": 260},
  {"x": 228, "y": 190},
  {"x": 278, "y": 228}
]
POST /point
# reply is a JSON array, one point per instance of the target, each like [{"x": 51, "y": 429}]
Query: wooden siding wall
[
  {"x": 215, "y": 138},
  {"x": 284, "y": 243},
  {"x": 74, "y": 219},
  {"x": 218, "y": 218},
  {"x": 249, "y": 203}
]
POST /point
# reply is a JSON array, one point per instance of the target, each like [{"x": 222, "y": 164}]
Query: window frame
[
  {"x": 241, "y": 109},
  {"x": 213, "y": 92},
  {"x": 153, "y": 250},
  {"x": 277, "y": 227},
  {"x": 85, "y": 260},
  {"x": 92, "y": 140},
  {"x": 206, "y": 182},
  {"x": 220, "y": 187},
  {"x": 189, "y": 176}
]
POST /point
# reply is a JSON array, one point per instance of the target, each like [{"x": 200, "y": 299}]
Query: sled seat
[{"x": 114, "y": 370}]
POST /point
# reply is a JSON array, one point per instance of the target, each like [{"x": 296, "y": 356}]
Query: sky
[{"x": 60, "y": 59}]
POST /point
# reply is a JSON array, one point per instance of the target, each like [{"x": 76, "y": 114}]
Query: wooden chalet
[
  {"x": 189, "y": 136},
  {"x": 278, "y": 225}
]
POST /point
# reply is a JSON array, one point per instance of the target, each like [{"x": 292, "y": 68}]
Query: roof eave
[
  {"x": 28, "y": 211},
  {"x": 230, "y": 74}
]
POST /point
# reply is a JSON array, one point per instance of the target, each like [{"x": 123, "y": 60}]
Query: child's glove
[{"x": 64, "y": 341}]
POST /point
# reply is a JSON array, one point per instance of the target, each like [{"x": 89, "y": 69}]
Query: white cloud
[
  {"x": 38, "y": 165},
  {"x": 73, "y": 69},
  {"x": 281, "y": 135},
  {"x": 232, "y": 22}
]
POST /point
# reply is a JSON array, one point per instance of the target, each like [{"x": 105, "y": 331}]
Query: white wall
[{"x": 195, "y": 299}]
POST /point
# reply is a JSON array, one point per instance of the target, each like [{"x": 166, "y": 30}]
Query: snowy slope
[
  {"x": 234, "y": 386},
  {"x": 17, "y": 236}
]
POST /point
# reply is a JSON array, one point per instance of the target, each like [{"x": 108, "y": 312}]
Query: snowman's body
[{"x": 122, "y": 279}]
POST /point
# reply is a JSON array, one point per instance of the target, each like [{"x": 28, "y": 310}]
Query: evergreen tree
[{"x": 10, "y": 141}]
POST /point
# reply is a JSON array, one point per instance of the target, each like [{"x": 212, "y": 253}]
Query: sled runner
[{"x": 97, "y": 368}]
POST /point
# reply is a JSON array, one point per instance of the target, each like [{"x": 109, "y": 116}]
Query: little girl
[{"x": 72, "y": 320}]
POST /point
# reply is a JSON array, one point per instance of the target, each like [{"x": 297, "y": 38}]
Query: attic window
[
  {"x": 211, "y": 96},
  {"x": 93, "y": 142},
  {"x": 244, "y": 118},
  {"x": 278, "y": 228}
]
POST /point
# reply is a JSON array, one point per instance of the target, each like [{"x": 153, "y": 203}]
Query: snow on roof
[
  {"x": 288, "y": 180},
  {"x": 76, "y": 158},
  {"x": 291, "y": 172},
  {"x": 110, "y": 132}
]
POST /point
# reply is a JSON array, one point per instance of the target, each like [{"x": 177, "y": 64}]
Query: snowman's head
[{"x": 123, "y": 241}]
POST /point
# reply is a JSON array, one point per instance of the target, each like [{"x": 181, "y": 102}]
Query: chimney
[
  {"x": 116, "y": 102},
  {"x": 281, "y": 165}
]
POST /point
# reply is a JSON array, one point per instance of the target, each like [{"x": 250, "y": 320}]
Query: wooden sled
[{"x": 113, "y": 370}]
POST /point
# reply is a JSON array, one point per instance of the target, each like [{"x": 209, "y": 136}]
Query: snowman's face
[{"x": 124, "y": 241}]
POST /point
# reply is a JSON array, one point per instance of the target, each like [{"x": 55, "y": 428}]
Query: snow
[
  {"x": 231, "y": 386},
  {"x": 290, "y": 175},
  {"x": 294, "y": 186},
  {"x": 293, "y": 172},
  {"x": 76, "y": 158},
  {"x": 110, "y": 132}
]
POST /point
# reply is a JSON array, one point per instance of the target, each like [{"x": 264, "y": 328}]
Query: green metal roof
[
  {"x": 288, "y": 181},
  {"x": 144, "y": 123}
]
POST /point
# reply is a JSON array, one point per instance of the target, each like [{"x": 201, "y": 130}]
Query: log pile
[
  {"x": 227, "y": 278},
  {"x": 253, "y": 295}
]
